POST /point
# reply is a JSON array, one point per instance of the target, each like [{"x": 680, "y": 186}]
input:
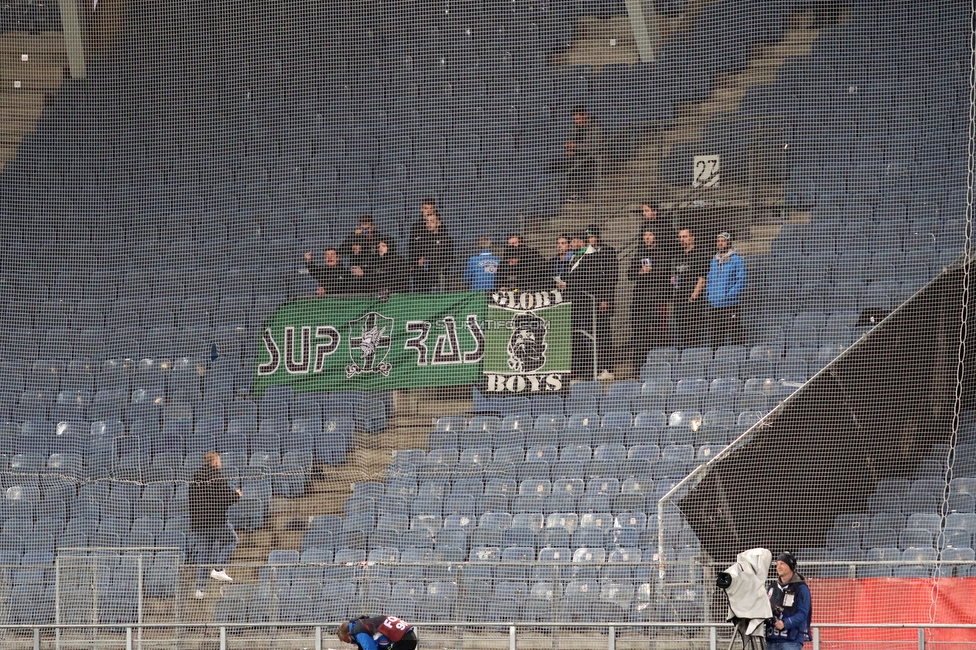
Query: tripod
[{"x": 748, "y": 641}]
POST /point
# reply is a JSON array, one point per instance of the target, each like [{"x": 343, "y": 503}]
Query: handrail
[
  {"x": 511, "y": 563},
  {"x": 611, "y": 628},
  {"x": 471, "y": 624}
]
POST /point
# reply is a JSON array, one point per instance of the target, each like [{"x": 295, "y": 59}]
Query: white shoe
[
  {"x": 198, "y": 595},
  {"x": 605, "y": 375},
  {"x": 220, "y": 575}
]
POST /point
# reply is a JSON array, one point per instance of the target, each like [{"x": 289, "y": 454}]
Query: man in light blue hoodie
[{"x": 725, "y": 283}]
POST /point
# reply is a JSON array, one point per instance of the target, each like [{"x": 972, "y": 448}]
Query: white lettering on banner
[
  {"x": 419, "y": 342},
  {"x": 274, "y": 354},
  {"x": 474, "y": 356},
  {"x": 527, "y": 300},
  {"x": 322, "y": 350},
  {"x": 449, "y": 340},
  {"x": 523, "y": 383},
  {"x": 447, "y": 346},
  {"x": 299, "y": 366}
]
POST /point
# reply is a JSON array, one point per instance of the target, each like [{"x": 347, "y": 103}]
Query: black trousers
[
  {"x": 647, "y": 331},
  {"x": 687, "y": 327},
  {"x": 582, "y": 339},
  {"x": 409, "y": 641},
  {"x": 725, "y": 326}
]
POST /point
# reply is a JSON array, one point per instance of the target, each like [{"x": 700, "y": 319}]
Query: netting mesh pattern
[{"x": 160, "y": 209}]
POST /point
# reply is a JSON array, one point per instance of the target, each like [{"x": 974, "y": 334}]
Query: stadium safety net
[{"x": 483, "y": 312}]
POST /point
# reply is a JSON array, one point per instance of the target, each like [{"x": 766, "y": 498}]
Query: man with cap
[
  {"x": 790, "y": 600},
  {"x": 725, "y": 283},
  {"x": 359, "y": 248}
]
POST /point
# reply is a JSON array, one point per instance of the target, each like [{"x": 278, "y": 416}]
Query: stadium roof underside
[{"x": 872, "y": 414}]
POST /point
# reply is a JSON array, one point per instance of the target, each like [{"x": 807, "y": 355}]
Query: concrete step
[
  {"x": 45, "y": 49},
  {"x": 31, "y": 68},
  {"x": 600, "y": 42},
  {"x": 31, "y": 77}
]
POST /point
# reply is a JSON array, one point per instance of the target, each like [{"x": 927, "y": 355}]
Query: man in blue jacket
[
  {"x": 789, "y": 598},
  {"x": 482, "y": 268},
  {"x": 725, "y": 283}
]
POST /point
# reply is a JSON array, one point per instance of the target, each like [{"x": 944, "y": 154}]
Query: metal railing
[
  {"x": 593, "y": 334},
  {"x": 709, "y": 631}
]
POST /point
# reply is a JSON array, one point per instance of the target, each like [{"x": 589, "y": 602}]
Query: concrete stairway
[
  {"x": 32, "y": 67},
  {"x": 616, "y": 203}
]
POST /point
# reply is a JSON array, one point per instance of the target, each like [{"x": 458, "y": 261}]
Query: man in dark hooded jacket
[{"x": 522, "y": 266}]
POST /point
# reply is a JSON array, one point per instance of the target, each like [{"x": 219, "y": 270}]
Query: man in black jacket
[
  {"x": 334, "y": 279},
  {"x": 688, "y": 278},
  {"x": 359, "y": 248},
  {"x": 431, "y": 250},
  {"x": 584, "y": 285},
  {"x": 388, "y": 275},
  {"x": 650, "y": 271},
  {"x": 212, "y": 537},
  {"x": 522, "y": 266}
]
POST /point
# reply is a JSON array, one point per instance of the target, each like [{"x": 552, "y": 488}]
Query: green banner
[
  {"x": 528, "y": 342},
  {"x": 411, "y": 340}
]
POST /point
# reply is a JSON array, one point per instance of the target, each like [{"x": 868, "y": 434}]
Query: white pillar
[
  {"x": 75, "y": 22},
  {"x": 645, "y": 25}
]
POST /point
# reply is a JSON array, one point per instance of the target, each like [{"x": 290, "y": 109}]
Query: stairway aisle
[{"x": 616, "y": 203}]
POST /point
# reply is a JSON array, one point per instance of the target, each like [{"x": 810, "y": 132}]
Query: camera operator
[{"x": 789, "y": 598}]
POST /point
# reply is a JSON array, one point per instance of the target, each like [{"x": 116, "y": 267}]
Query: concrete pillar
[
  {"x": 75, "y": 22},
  {"x": 645, "y": 24}
]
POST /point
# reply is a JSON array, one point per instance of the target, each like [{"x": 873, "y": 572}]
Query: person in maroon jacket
[{"x": 379, "y": 633}]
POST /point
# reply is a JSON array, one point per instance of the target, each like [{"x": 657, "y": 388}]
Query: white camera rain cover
[{"x": 747, "y": 593}]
